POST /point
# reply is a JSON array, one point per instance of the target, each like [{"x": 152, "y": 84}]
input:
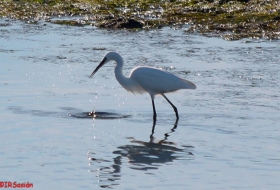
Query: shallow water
[{"x": 227, "y": 136}]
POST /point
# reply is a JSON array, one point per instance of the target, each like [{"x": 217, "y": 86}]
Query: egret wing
[{"x": 159, "y": 81}]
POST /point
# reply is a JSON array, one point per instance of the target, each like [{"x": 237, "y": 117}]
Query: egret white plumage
[{"x": 146, "y": 79}]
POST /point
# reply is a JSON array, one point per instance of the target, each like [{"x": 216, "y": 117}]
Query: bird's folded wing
[{"x": 159, "y": 81}]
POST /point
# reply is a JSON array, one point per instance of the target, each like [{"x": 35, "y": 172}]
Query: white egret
[{"x": 146, "y": 79}]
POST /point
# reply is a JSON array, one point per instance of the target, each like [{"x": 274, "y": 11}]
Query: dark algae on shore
[{"x": 231, "y": 19}]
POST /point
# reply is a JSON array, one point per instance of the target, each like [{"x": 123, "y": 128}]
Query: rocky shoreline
[{"x": 232, "y": 20}]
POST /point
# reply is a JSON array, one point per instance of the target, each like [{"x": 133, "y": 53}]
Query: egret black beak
[{"x": 98, "y": 67}]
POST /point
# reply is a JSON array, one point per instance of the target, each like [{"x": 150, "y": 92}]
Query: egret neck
[{"x": 127, "y": 83}]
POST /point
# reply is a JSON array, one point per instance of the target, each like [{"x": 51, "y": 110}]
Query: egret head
[{"x": 111, "y": 56}]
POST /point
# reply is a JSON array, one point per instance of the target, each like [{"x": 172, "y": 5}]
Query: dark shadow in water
[
  {"x": 68, "y": 112},
  {"x": 172, "y": 130},
  {"x": 140, "y": 155}
]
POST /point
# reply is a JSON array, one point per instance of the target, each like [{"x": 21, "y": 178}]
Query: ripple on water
[
  {"x": 68, "y": 112},
  {"x": 137, "y": 155},
  {"x": 231, "y": 120}
]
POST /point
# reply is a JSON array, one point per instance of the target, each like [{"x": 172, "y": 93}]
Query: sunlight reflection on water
[{"x": 228, "y": 127}]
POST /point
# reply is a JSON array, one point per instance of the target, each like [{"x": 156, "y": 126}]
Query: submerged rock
[{"x": 129, "y": 23}]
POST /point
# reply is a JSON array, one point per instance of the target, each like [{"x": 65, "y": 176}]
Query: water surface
[{"x": 227, "y": 136}]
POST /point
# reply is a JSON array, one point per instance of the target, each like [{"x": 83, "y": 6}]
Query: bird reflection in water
[{"x": 140, "y": 155}]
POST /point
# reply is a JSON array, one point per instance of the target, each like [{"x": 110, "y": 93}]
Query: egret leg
[
  {"x": 153, "y": 130},
  {"x": 154, "y": 109},
  {"x": 175, "y": 109}
]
